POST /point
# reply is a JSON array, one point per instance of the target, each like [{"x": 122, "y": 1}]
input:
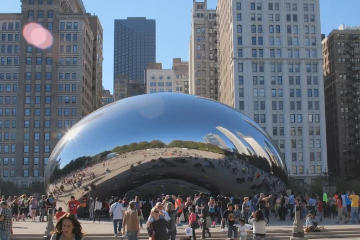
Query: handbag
[
  {"x": 188, "y": 232},
  {"x": 195, "y": 225}
]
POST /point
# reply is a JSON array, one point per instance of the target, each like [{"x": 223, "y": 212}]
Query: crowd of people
[{"x": 161, "y": 215}]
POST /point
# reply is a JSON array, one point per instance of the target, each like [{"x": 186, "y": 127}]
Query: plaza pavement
[{"x": 277, "y": 230}]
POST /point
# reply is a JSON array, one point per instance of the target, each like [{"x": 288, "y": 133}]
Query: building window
[
  {"x": 239, "y": 28},
  {"x": 238, "y": 6},
  {"x": 238, "y": 17}
]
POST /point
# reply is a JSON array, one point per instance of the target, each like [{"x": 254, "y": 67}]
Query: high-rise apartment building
[
  {"x": 341, "y": 53},
  {"x": 270, "y": 68},
  {"x": 181, "y": 76},
  {"x": 44, "y": 92},
  {"x": 97, "y": 60},
  {"x": 203, "y": 76},
  {"x": 134, "y": 46}
]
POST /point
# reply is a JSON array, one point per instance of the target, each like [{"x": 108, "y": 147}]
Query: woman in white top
[
  {"x": 91, "y": 208},
  {"x": 97, "y": 209},
  {"x": 259, "y": 225}
]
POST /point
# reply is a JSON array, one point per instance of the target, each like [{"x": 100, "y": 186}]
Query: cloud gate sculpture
[{"x": 154, "y": 143}]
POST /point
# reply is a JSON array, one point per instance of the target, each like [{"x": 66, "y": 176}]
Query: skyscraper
[
  {"x": 44, "y": 92},
  {"x": 134, "y": 46},
  {"x": 341, "y": 54},
  {"x": 270, "y": 68},
  {"x": 203, "y": 76}
]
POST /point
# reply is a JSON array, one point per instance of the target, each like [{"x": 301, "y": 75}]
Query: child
[
  {"x": 193, "y": 223},
  {"x": 237, "y": 213},
  {"x": 244, "y": 229},
  {"x": 310, "y": 225},
  {"x": 259, "y": 225}
]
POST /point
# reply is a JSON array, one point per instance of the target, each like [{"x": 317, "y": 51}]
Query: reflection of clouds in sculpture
[
  {"x": 151, "y": 109},
  {"x": 167, "y": 136}
]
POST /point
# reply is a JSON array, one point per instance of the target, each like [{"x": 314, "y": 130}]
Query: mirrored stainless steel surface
[{"x": 150, "y": 138}]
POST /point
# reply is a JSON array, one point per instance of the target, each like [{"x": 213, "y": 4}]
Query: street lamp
[{"x": 298, "y": 229}]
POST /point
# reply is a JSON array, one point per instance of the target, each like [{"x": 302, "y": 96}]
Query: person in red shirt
[
  {"x": 73, "y": 206},
  {"x": 59, "y": 213}
]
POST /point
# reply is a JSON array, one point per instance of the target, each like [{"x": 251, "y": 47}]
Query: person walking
[
  {"x": 117, "y": 212},
  {"x": 68, "y": 227},
  {"x": 205, "y": 219},
  {"x": 5, "y": 222},
  {"x": 131, "y": 223}
]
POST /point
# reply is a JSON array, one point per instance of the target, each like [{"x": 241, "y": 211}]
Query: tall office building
[
  {"x": 203, "y": 79},
  {"x": 134, "y": 46},
  {"x": 341, "y": 53},
  {"x": 44, "y": 92},
  {"x": 270, "y": 68}
]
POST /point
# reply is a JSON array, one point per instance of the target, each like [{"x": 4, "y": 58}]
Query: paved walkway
[{"x": 106, "y": 227}]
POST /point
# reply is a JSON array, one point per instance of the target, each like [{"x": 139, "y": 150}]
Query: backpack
[{"x": 282, "y": 201}]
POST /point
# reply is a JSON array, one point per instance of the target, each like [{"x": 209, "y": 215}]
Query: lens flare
[{"x": 37, "y": 35}]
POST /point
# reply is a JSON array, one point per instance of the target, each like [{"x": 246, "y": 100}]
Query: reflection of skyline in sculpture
[
  {"x": 275, "y": 157},
  {"x": 216, "y": 140},
  {"x": 165, "y": 142},
  {"x": 240, "y": 147},
  {"x": 254, "y": 145}
]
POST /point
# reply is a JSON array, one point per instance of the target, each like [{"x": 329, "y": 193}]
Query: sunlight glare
[{"x": 37, "y": 35}]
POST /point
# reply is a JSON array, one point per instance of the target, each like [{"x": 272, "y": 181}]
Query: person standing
[
  {"x": 178, "y": 204},
  {"x": 229, "y": 217},
  {"x": 5, "y": 222},
  {"x": 91, "y": 208},
  {"x": 117, "y": 212},
  {"x": 354, "y": 207},
  {"x": 34, "y": 206},
  {"x": 73, "y": 206},
  {"x": 42, "y": 206},
  {"x": 131, "y": 223},
  {"x": 97, "y": 209},
  {"x": 147, "y": 209}
]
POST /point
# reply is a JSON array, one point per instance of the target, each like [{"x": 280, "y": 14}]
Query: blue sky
[{"x": 173, "y": 23}]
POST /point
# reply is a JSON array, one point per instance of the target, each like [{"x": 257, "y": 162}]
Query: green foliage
[
  {"x": 139, "y": 146},
  {"x": 8, "y": 188}
]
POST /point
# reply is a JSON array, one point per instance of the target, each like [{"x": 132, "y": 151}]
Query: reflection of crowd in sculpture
[
  {"x": 86, "y": 178},
  {"x": 268, "y": 180}
]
